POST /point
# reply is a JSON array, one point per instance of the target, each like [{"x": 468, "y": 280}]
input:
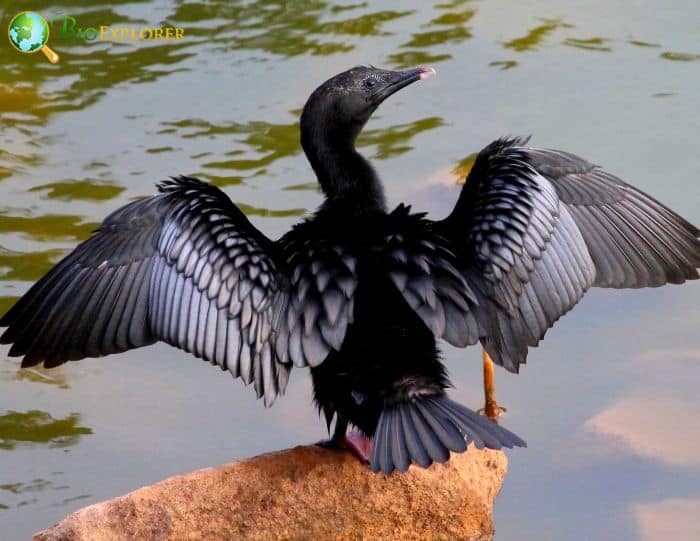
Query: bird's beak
[{"x": 400, "y": 79}]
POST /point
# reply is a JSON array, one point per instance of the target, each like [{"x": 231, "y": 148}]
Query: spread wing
[
  {"x": 184, "y": 266},
  {"x": 534, "y": 229},
  {"x": 634, "y": 240}
]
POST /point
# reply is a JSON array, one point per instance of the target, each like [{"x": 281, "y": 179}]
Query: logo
[
  {"x": 29, "y": 33},
  {"x": 68, "y": 29}
]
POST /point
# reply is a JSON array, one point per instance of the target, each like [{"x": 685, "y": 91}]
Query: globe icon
[{"x": 29, "y": 33}]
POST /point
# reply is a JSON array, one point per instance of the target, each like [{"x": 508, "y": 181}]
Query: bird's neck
[{"x": 347, "y": 178}]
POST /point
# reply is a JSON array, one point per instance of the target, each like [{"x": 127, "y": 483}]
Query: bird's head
[
  {"x": 341, "y": 106},
  {"x": 333, "y": 117}
]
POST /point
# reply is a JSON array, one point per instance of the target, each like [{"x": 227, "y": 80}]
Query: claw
[
  {"x": 328, "y": 444},
  {"x": 492, "y": 410}
]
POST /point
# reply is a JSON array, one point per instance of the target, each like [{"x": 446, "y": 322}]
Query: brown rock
[{"x": 301, "y": 493}]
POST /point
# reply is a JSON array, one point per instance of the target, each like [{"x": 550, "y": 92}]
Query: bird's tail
[{"x": 424, "y": 430}]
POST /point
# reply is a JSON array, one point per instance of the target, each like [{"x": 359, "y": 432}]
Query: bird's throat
[{"x": 348, "y": 180}]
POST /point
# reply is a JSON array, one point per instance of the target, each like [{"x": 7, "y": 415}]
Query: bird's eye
[{"x": 369, "y": 83}]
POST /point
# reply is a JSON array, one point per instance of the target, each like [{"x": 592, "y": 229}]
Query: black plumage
[{"x": 357, "y": 293}]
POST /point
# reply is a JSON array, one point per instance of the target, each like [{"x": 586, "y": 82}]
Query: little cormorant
[{"x": 357, "y": 293}]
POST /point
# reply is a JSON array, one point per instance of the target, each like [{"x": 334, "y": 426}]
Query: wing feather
[
  {"x": 420, "y": 264},
  {"x": 184, "y": 266},
  {"x": 519, "y": 249},
  {"x": 634, "y": 240},
  {"x": 533, "y": 229},
  {"x": 320, "y": 304}
]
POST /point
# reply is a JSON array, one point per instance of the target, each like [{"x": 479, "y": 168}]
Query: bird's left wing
[
  {"x": 533, "y": 229},
  {"x": 184, "y": 266},
  {"x": 634, "y": 240},
  {"x": 518, "y": 248}
]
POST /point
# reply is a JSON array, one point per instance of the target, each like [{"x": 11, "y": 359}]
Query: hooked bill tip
[{"x": 426, "y": 72}]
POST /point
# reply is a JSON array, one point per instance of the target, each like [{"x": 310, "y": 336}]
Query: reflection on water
[
  {"x": 273, "y": 142},
  {"x": 26, "y": 266},
  {"x": 662, "y": 428},
  {"x": 71, "y": 189},
  {"x": 679, "y": 57},
  {"x": 590, "y": 44},
  {"x": 30, "y": 493},
  {"x": 280, "y": 27},
  {"x": 6, "y": 302},
  {"x": 48, "y": 227},
  {"x": 535, "y": 37},
  {"x": 39, "y": 427},
  {"x": 504, "y": 64},
  {"x": 674, "y": 519},
  {"x": 81, "y": 138},
  {"x": 438, "y": 37},
  {"x": 409, "y": 59},
  {"x": 394, "y": 140},
  {"x": 35, "y": 374},
  {"x": 640, "y": 43},
  {"x": 655, "y": 429},
  {"x": 449, "y": 26},
  {"x": 18, "y": 99}
]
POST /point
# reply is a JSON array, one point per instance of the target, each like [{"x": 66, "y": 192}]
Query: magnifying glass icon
[{"x": 29, "y": 33}]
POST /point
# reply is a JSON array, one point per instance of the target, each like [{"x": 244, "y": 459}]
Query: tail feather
[
  {"x": 483, "y": 432},
  {"x": 423, "y": 431},
  {"x": 416, "y": 451},
  {"x": 399, "y": 451},
  {"x": 445, "y": 430}
]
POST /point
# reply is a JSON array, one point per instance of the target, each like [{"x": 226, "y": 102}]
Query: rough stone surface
[{"x": 301, "y": 493}]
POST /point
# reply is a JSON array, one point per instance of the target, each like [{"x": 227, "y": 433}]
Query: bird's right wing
[{"x": 184, "y": 266}]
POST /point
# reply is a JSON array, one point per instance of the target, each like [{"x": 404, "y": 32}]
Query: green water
[{"x": 608, "y": 403}]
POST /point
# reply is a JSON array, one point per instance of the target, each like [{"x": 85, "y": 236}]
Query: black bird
[{"x": 356, "y": 292}]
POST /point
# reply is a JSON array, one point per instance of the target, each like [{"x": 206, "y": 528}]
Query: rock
[{"x": 301, "y": 493}]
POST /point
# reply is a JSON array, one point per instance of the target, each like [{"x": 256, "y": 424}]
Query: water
[{"x": 608, "y": 403}]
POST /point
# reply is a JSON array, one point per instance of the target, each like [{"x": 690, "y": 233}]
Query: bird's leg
[
  {"x": 337, "y": 441},
  {"x": 341, "y": 427},
  {"x": 491, "y": 408},
  {"x": 355, "y": 441}
]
